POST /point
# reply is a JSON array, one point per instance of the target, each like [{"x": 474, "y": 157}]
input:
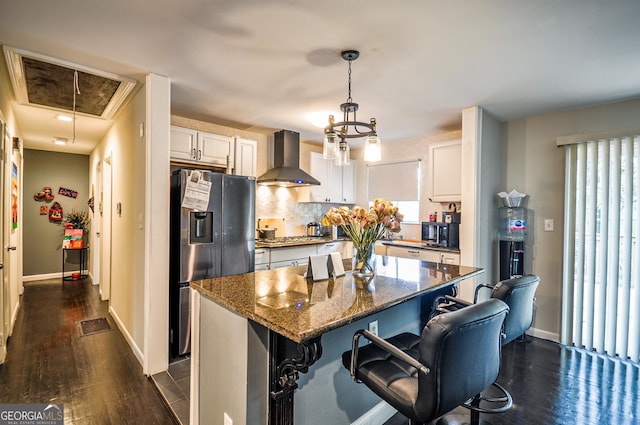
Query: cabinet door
[
  {"x": 335, "y": 182},
  {"x": 183, "y": 143},
  {"x": 397, "y": 251},
  {"x": 292, "y": 253},
  {"x": 320, "y": 171},
  {"x": 245, "y": 157},
  {"x": 446, "y": 171},
  {"x": 262, "y": 257},
  {"x": 330, "y": 247},
  {"x": 215, "y": 149},
  {"x": 448, "y": 258},
  {"x": 348, "y": 186}
]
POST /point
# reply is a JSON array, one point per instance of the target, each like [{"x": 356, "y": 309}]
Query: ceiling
[{"x": 266, "y": 66}]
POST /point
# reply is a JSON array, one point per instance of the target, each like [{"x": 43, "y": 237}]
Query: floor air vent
[{"x": 94, "y": 326}]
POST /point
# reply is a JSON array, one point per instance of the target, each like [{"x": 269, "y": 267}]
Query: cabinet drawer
[
  {"x": 262, "y": 256},
  {"x": 293, "y": 253}
]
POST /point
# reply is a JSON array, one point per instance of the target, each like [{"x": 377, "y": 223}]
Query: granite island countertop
[
  {"x": 284, "y": 301},
  {"x": 417, "y": 244}
]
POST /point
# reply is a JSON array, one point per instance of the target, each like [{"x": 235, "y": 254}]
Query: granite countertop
[
  {"x": 417, "y": 244},
  {"x": 315, "y": 241},
  {"x": 284, "y": 301}
]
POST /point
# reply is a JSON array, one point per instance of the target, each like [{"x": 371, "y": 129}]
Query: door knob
[{"x": 11, "y": 248}]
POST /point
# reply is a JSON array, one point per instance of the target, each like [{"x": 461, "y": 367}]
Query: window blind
[
  {"x": 601, "y": 276},
  {"x": 398, "y": 181}
]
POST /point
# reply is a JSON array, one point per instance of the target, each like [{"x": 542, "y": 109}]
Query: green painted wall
[{"x": 42, "y": 238}]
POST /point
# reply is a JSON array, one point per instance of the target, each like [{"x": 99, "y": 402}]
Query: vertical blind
[{"x": 601, "y": 276}]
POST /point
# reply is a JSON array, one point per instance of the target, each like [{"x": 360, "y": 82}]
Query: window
[{"x": 398, "y": 182}]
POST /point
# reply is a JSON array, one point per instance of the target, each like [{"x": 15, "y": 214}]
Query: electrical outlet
[
  {"x": 227, "y": 419},
  {"x": 548, "y": 225},
  {"x": 373, "y": 327}
]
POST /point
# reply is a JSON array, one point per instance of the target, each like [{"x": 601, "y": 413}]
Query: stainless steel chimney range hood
[{"x": 286, "y": 170}]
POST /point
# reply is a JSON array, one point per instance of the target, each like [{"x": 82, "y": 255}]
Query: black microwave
[{"x": 444, "y": 235}]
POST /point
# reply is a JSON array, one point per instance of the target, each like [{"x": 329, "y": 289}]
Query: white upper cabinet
[
  {"x": 199, "y": 147},
  {"x": 246, "y": 158},
  {"x": 446, "y": 171},
  {"x": 184, "y": 142},
  {"x": 216, "y": 149},
  {"x": 336, "y": 183}
]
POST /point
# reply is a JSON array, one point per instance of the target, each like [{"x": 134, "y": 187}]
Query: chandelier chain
[{"x": 349, "y": 97}]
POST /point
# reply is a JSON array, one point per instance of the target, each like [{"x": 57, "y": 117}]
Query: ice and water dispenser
[
  {"x": 512, "y": 232},
  {"x": 200, "y": 227}
]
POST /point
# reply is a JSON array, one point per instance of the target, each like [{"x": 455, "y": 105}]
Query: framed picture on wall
[{"x": 14, "y": 196}]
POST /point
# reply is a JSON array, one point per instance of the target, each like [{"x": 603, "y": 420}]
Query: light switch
[{"x": 548, "y": 225}]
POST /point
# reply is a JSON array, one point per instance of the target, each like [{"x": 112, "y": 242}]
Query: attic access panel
[
  {"x": 39, "y": 80},
  {"x": 52, "y": 85}
]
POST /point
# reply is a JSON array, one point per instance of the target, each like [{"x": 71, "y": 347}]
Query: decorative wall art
[
  {"x": 46, "y": 195},
  {"x": 67, "y": 192},
  {"x": 55, "y": 212},
  {"x": 14, "y": 196}
]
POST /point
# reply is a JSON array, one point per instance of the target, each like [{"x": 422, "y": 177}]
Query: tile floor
[{"x": 174, "y": 387}]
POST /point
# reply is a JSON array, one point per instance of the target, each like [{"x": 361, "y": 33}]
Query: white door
[
  {"x": 105, "y": 248},
  {"x": 4, "y": 284},
  {"x": 96, "y": 247},
  {"x": 13, "y": 269}
]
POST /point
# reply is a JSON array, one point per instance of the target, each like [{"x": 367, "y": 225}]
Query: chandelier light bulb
[
  {"x": 372, "y": 151},
  {"x": 344, "y": 154}
]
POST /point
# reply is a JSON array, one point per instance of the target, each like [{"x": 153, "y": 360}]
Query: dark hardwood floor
[
  {"x": 96, "y": 376},
  {"x": 553, "y": 384}
]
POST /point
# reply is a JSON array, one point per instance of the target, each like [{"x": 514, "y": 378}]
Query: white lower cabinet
[
  {"x": 345, "y": 248},
  {"x": 292, "y": 256},
  {"x": 431, "y": 255},
  {"x": 273, "y": 258},
  {"x": 262, "y": 259}
]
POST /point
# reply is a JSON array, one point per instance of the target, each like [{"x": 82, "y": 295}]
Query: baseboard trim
[
  {"x": 539, "y": 333},
  {"x": 378, "y": 415},
  {"x": 127, "y": 335},
  {"x": 45, "y": 276},
  {"x": 34, "y": 277}
]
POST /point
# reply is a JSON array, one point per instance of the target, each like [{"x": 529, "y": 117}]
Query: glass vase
[{"x": 363, "y": 261}]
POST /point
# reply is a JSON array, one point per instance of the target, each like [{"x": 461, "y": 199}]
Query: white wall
[
  {"x": 126, "y": 149},
  {"x": 536, "y": 166}
]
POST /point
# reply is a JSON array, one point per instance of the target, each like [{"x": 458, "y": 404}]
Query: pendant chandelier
[{"x": 335, "y": 144}]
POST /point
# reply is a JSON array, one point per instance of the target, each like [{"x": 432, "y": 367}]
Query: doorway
[
  {"x": 104, "y": 241},
  {"x": 4, "y": 284}
]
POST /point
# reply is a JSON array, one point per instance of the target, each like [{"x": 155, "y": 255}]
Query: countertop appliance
[
  {"x": 314, "y": 229},
  {"x": 212, "y": 234},
  {"x": 443, "y": 235}
]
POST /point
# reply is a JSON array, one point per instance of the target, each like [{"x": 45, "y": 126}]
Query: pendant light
[{"x": 335, "y": 144}]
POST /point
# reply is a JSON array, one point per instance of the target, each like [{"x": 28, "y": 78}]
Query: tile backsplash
[{"x": 279, "y": 204}]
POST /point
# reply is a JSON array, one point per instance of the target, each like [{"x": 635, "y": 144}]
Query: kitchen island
[{"x": 253, "y": 334}]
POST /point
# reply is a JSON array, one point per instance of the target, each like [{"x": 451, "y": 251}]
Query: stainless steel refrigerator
[{"x": 212, "y": 234}]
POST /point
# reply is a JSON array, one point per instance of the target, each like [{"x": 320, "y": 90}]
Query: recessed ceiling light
[
  {"x": 60, "y": 141},
  {"x": 65, "y": 118}
]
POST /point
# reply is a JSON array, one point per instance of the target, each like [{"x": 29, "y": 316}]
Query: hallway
[{"x": 95, "y": 375}]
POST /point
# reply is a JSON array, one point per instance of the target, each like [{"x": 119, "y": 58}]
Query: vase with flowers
[{"x": 364, "y": 227}]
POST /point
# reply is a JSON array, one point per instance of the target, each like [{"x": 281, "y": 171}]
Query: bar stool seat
[{"x": 456, "y": 356}]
